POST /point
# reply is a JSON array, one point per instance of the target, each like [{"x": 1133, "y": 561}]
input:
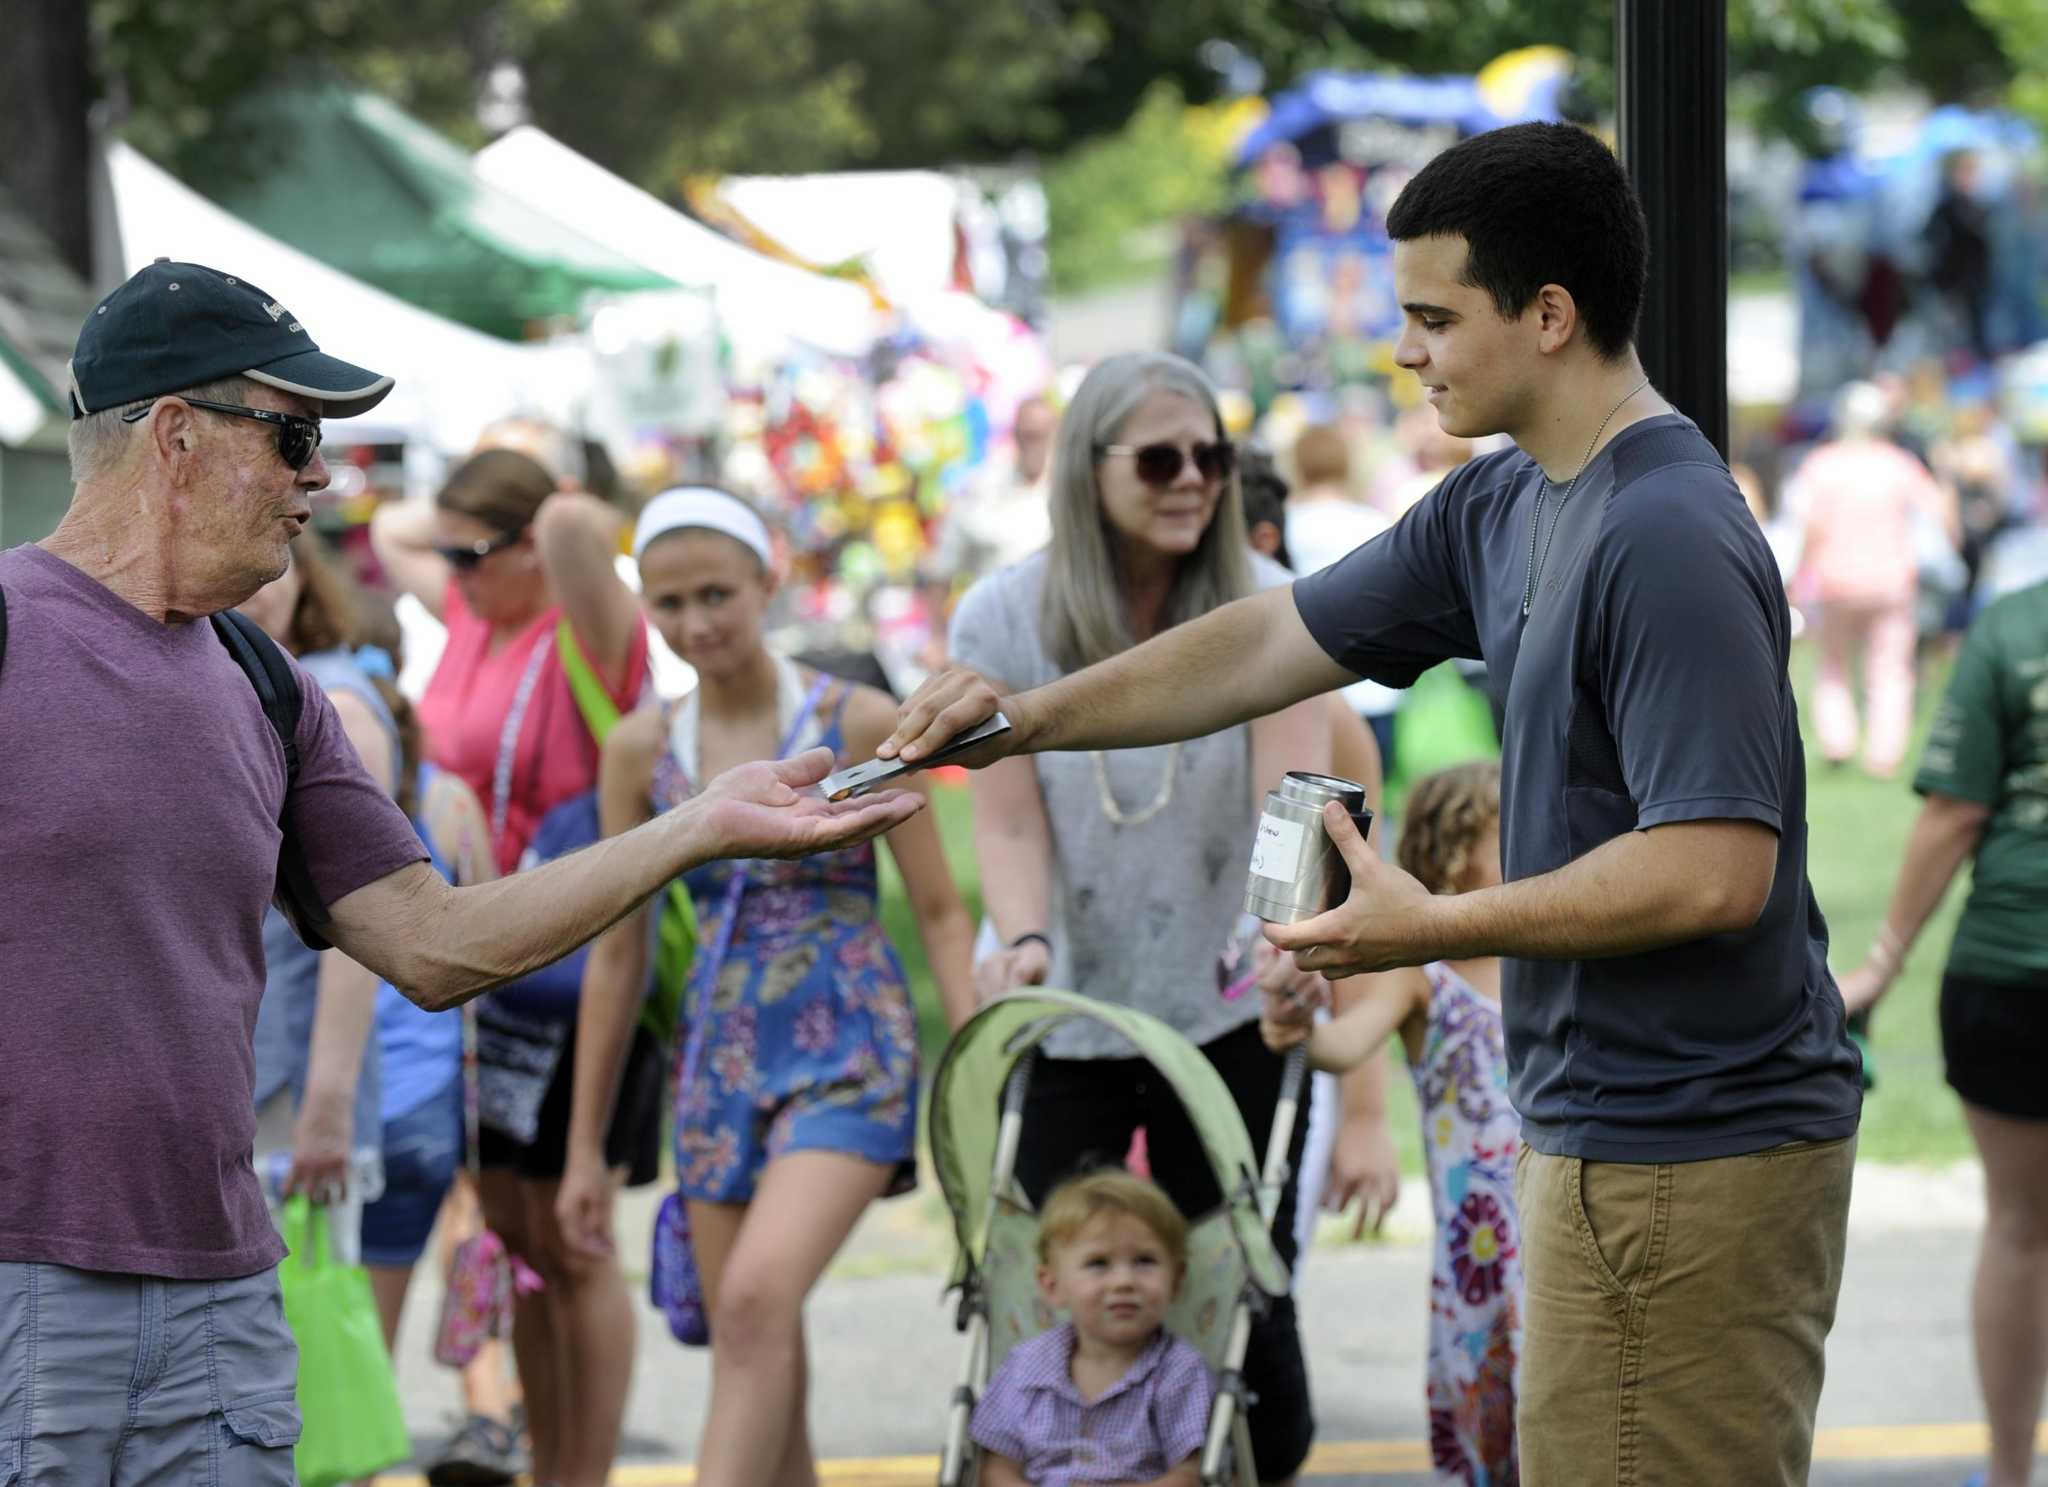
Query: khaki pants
[{"x": 1677, "y": 1315}]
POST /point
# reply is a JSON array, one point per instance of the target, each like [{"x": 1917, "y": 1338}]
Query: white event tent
[
  {"x": 763, "y": 305},
  {"x": 899, "y": 223},
  {"x": 451, "y": 381}
]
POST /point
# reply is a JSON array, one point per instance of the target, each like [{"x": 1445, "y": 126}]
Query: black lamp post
[{"x": 1671, "y": 67}]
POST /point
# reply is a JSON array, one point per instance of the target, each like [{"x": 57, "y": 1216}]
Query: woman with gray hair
[{"x": 1121, "y": 874}]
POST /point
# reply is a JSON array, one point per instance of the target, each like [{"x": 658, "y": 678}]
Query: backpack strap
[{"x": 277, "y": 689}]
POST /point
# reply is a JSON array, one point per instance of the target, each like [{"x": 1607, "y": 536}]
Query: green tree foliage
[
  {"x": 653, "y": 88},
  {"x": 1107, "y": 92},
  {"x": 2021, "y": 29},
  {"x": 1103, "y": 196},
  {"x": 659, "y": 88}
]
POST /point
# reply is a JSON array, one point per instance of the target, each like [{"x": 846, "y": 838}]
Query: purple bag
[
  {"x": 678, "y": 1293},
  {"x": 673, "y": 1283}
]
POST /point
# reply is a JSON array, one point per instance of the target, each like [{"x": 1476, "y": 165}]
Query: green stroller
[{"x": 1232, "y": 1263}]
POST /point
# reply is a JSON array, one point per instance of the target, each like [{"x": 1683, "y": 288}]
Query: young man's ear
[{"x": 1557, "y": 316}]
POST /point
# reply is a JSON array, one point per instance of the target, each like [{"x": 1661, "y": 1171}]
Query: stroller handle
[{"x": 1273, "y": 1177}]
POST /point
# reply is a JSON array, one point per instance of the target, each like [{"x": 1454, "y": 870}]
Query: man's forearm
[
  {"x": 1240, "y": 662},
  {"x": 1642, "y": 891},
  {"x": 466, "y": 940}
]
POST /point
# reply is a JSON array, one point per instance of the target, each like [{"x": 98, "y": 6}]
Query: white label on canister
[{"x": 1276, "y": 852}]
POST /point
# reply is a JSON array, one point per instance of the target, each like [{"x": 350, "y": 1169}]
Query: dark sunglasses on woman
[
  {"x": 297, "y": 438},
  {"x": 1159, "y": 465},
  {"x": 463, "y": 556}
]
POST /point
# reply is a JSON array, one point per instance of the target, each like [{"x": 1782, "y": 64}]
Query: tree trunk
[{"x": 45, "y": 141}]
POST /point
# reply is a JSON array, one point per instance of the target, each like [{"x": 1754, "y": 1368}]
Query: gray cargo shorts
[{"x": 127, "y": 1380}]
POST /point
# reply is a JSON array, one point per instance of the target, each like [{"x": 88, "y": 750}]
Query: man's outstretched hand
[
  {"x": 946, "y": 706},
  {"x": 760, "y": 810}
]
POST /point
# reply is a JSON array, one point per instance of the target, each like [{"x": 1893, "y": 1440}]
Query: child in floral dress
[{"x": 1447, "y": 1015}]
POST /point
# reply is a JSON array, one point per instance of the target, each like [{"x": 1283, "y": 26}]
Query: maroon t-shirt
[{"x": 140, "y": 789}]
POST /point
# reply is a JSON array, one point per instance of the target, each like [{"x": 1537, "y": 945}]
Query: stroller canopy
[{"x": 967, "y": 1096}]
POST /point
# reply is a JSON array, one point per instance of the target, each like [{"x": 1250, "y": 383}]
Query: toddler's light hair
[
  {"x": 1447, "y": 815},
  {"x": 1075, "y": 1203}
]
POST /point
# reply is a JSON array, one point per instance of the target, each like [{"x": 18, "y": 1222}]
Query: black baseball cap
[{"x": 177, "y": 325}]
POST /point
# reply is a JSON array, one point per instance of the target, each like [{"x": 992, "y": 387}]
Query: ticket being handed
[{"x": 862, "y": 778}]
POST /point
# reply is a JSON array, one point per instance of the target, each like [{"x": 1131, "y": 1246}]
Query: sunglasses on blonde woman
[{"x": 1160, "y": 465}]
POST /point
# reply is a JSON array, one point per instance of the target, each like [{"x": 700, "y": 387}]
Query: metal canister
[{"x": 1297, "y": 871}]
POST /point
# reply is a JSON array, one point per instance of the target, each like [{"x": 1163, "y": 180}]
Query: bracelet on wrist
[{"x": 1028, "y": 936}]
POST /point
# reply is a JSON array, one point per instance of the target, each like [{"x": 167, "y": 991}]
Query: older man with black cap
[{"x": 160, "y": 788}]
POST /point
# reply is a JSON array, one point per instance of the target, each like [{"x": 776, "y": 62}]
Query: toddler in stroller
[
  {"x": 1112, "y": 1393},
  {"x": 1231, "y": 1264}
]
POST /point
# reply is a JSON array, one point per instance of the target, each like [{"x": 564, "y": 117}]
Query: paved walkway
[{"x": 1899, "y": 1409}]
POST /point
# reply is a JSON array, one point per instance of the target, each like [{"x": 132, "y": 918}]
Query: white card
[{"x": 1276, "y": 851}]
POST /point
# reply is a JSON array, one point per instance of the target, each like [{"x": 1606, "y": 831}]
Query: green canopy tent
[{"x": 354, "y": 181}]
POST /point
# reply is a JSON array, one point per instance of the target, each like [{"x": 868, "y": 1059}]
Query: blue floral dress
[
  {"x": 811, "y": 1044},
  {"x": 1470, "y": 1135}
]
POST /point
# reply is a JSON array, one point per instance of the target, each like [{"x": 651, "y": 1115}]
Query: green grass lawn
[{"x": 1857, "y": 835}]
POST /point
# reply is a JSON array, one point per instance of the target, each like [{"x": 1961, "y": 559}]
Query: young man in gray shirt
[
  {"x": 145, "y": 795},
  {"x": 1677, "y": 1047}
]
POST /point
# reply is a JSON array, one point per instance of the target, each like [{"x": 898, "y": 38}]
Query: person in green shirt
[{"x": 1984, "y": 778}]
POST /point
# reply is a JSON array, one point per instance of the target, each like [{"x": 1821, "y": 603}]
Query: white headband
[{"x": 701, "y": 506}]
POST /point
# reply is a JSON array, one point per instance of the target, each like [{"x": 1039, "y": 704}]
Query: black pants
[{"x": 1080, "y": 1113}]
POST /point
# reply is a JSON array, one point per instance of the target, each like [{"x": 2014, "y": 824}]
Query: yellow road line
[{"x": 1357, "y": 1458}]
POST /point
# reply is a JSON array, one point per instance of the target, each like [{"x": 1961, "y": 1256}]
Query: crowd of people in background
[
  {"x": 794, "y": 1060},
  {"x": 789, "y": 1062},
  {"x": 1081, "y": 543}
]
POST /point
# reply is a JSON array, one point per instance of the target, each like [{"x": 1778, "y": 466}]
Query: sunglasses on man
[
  {"x": 1159, "y": 465},
  {"x": 463, "y": 556},
  {"x": 298, "y": 439}
]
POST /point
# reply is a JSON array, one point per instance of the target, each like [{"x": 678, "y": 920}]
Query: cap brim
[{"x": 343, "y": 389}]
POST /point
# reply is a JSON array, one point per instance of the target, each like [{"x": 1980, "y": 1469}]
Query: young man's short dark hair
[{"x": 1538, "y": 204}]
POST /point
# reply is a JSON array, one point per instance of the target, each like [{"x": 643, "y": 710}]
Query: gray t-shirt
[
  {"x": 1646, "y": 687},
  {"x": 1141, "y": 913},
  {"x": 138, "y": 852}
]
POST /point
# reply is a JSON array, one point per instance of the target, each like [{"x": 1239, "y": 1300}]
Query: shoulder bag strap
[
  {"x": 508, "y": 737},
  {"x": 600, "y": 713}
]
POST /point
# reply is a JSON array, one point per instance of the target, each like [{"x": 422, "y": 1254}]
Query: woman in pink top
[
  {"x": 1862, "y": 496},
  {"x": 502, "y": 558}
]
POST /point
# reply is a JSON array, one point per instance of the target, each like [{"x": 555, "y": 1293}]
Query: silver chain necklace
[{"x": 1536, "y": 564}]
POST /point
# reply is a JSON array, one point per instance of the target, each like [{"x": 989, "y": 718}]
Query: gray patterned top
[{"x": 1141, "y": 913}]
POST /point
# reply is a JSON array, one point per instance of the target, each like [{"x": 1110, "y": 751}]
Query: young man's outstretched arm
[{"x": 1246, "y": 660}]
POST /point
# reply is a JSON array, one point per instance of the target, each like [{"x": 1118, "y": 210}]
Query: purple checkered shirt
[{"x": 1150, "y": 1420}]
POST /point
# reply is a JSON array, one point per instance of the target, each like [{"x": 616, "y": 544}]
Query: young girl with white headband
[{"x": 797, "y": 1104}]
